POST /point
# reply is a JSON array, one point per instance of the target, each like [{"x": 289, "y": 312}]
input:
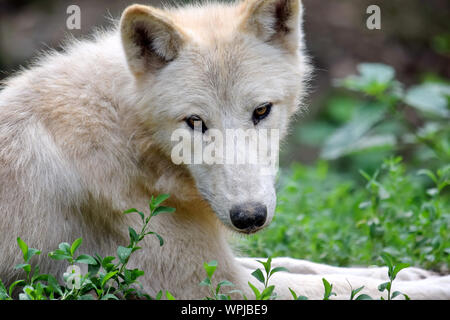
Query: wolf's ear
[
  {"x": 274, "y": 21},
  {"x": 149, "y": 38}
]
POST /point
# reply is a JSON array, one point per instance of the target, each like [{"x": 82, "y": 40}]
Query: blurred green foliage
[{"x": 381, "y": 182}]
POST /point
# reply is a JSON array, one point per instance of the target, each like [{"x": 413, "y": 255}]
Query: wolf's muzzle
[{"x": 248, "y": 217}]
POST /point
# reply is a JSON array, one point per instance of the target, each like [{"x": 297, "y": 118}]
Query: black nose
[{"x": 248, "y": 216}]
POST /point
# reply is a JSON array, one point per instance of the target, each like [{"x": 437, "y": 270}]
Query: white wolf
[{"x": 86, "y": 134}]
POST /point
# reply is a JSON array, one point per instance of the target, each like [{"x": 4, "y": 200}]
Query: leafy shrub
[
  {"x": 333, "y": 212},
  {"x": 105, "y": 279}
]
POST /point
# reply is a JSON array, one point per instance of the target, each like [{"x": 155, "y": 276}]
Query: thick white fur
[{"x": 85, "y": 134}]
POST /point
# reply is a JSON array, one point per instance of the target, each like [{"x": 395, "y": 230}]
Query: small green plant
[
  {"x": 210, "y": 268},
  {"x": 328, "y": 290},
  {"x": 268, "y": 291},
  {"x": 354, "y": 292},
  {"x": 33, "y": 285},
  {"x": 107, "y": 277},
  {"x": 297, "y": 297},
  {"x": 393, "y": 270},
  {"x": 380, "y": 121}
]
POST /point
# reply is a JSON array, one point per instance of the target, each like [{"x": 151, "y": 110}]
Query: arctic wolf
[{"x": 86, "y": 134}]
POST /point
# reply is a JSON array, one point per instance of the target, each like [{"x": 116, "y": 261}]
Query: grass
[{"x": 330, "y": 219}]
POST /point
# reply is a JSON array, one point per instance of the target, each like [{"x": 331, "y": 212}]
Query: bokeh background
[{"x": 355, "y": 181}]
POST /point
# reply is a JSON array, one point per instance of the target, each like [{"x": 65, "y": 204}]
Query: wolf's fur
[{"x": 85, "y": 134}]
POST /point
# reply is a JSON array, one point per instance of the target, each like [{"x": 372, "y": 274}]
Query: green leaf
[
  {"x": 133, "y": 235},
  {"x": 259, "y": 275},
  {"x": 159, "y": 295},
  {"x": 294, "y": 295},
  {"x": 387, "y": 259},
  {"x": 428, "y": 173},
  {"x": 377, "y": 72},
  {"x": 223, "y": 283},
  {"x": 86, "y": 297},
  {"x": 14, "y": 285},
  {"x": 75, "y": 246},
  {"x": 255, "y": 291},
  {"x": 3, "y": 292},
  {"x": 162, "y": 209},
  {"x": 384, "y": 286},
  {"x": 53, "y": 283},
  {"x": 373, "y": 79},
  {"x": 135, "y": 211},
  {"x": 59, "y": 255},
  {"x": 32, "y": 252},
  {"x": 86, "y": 259},
  {"x": 93, "y": 269},
  {"x": 25, "y": 266},
  {"x": 267, "y": 293},
  {"x": 158, "y": 200},
  {"x": 108, "y": 266},
  {"x": 136, "y": 249},
  {"x": 206, "y": 282},
  {"x": 326, "y": 285},
  {"x": 123, "y": 253},
  {"x": 349, "y": 137},
  {"x": 131, "y": 211},
  {"x": 161, "y": 240},
  {"x": 395, "y": 294},
  {"x": 398, "y": 268},
  {"x": 23, "y": 247},
  {"x": 39, "y": 277},
  {"x": 328, "y": 289},
  {"x": 363, "y": 297},
  {"x": 108, "y": 260},
  {"x": 355, "y": 292},
  {"x": 132, "y": 275},
  {"x": 278, "y": 269},
  {"x": 107, "y": 277},
  {"x": 267, "y": 265},
  {"x": 65, "y": 247},
  {"x": 210, "y": 268},
  {"x": 169, "y": 296},
  {"x": 429, "y": 98},
  {"x": 136, "y": 273}
]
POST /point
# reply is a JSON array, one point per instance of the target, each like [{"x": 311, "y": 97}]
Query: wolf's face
[{"x": 223, "y": 77}]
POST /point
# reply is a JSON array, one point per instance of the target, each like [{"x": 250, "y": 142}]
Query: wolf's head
[{"x": 206, "y": 70}]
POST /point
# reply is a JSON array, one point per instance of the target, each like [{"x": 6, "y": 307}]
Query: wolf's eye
[
  {"x": 261, "y": 112},
  {"x": 194, "y": 120}
]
